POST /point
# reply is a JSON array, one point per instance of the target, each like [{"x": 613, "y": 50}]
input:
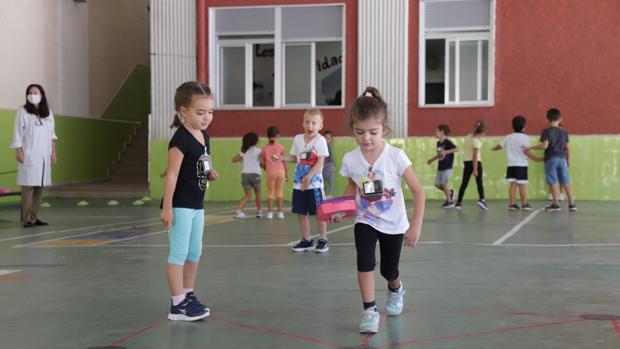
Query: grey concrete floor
[{"x": 95, "y": 278}]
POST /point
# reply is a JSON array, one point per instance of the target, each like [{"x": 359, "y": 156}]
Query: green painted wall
[
  {"x": 86, "y": 148},
  {"x": 594, "y": 170},
  {"x": 132, "y": 101}
]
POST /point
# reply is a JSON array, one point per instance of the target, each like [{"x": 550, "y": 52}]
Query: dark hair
[
  {"x": 518, "y": 123},
  {"x": 183, "y": 97},
  {"x": 479, "y": 127},
  {"x": 42, "y": 110},
  {"x": 553, "y": 114},
  {"x": 250, "y": 139},
  {"x": 327, "y": 132},
  {"x": 369, "y": 105},
  {"x": 272, "y": 133},
  {"x": 444, "y": 128}
]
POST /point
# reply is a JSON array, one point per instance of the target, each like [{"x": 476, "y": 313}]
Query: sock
[
  {"x": 188, "y": 290},
  {"x": 369, "y": 305},
  {"x": 395, "y": 290},
  {"x": 178, "y": 299}
]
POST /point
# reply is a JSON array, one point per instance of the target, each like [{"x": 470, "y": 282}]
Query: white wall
[{"x": 50, "y": 49}]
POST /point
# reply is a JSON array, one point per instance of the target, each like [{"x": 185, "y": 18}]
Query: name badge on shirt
[
  {"x": 373, "y": 188},
  {"x": 306, "y": 155}
]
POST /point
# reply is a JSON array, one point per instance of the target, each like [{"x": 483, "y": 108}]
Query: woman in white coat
[{"x": 34, "y": 140}]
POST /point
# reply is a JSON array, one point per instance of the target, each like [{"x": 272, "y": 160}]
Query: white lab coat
[{"x": 35, "y": 137}]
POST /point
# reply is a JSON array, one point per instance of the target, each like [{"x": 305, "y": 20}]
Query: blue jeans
[
  {"x": 186, "y": 235},
  {"x": 556, "y": 171}
]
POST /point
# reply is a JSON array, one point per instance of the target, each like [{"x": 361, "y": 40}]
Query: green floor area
[{"x": 95, "y": 278}]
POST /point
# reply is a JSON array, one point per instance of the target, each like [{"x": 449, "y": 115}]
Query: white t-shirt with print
[
  {"x": 307, "y": 155},
  {"x": 251, "y": 160},
  {"x": 387, "y": 212},
  {"x": 514, "y": 143}
]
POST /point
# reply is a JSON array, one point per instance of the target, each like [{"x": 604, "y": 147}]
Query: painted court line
[
  {"x": 560, "y": 245},
  {"x": 616, "y": 326},
  {"x": 517, "y": 227},
  {"x": 328, "y": 233},
  {"x": 7, "y": 272}
]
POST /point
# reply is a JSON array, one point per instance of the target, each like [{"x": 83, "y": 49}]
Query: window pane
[
  {"x": 233, "y": 75},
  {"x": 328, "y": 73},
  {"x": 468, "y": 75},
  {"x": 297, "y": 74},
  {"x": 263, "y": 75},
  {"x": 485, "y": 70},
  {"x": 435, "y": 71},
  {"x": 452, "y": 60}
]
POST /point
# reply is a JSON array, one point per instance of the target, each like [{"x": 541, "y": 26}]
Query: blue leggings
[{"x": 186, "y": 235}]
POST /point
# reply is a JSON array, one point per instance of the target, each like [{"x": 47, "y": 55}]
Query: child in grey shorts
[{"x": 445, "y": 160}]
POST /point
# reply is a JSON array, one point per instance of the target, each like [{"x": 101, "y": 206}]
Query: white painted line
[
  {"x": 7, "y": 272},
  {"x": 563, "y": 245},
  {"x": 517, "y": 227},
  {"x": 251, "y": 246},
  {"x": 292, "y": 243}
]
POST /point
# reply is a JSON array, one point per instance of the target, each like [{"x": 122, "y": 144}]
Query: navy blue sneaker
[
  {"x": 304, "y": 245},
  {"x": 447, "y": 204},
  {"x": 186, "y": 311},
  {"x": 321, "y": 246},
  {"x": 192, "y": 297}
]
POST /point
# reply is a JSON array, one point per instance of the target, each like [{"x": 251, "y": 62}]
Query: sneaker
[
  {"x": 304, "y": 245},
  {"x": 448, "y": 204},
  {"x": 370, "y": 321},
  {"x": 186, "y": 311},
  {"x": 394, "y": 302},
  {"x": 321, "y": 246},
  {"x": 269, "y": 215},
  {"x": 259, "y": 213},
  {"x": 280, "y": 215},
  {"x": 239, "y": 214},
  {"x": 192, "y": 297},
  {"x": 458, "y": 206},
  {"x": 513, "y": 208},
  {"x": 561, "y": 196},
  {"x": 38, "y": 222},
  {"x": 483, "y": 205},
  {"x": 527, "y": 207},
  {"x": 572, "y": 207},
  {"x": 553, "y": 208},
  {"x": 451, "y": 194}
]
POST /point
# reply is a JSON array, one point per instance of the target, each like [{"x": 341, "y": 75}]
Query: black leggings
[
  {"x": 390, "y": 245},
  {"x": 467, "y": 172}
]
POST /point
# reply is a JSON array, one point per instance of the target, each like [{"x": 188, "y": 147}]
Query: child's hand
[
  {"x": 442, "y": 154},
  {"x": 275, "y": 157},
  {"x": 429, "y": 161},
  {"x": 475, "y": 173},
  {"x": 305, "y": 183},
  {"x": 286, "y": 178},
  {"x": 213, "y": 176},
  {"x": 167, "y": 217},
  {"x": 411, "y": 237}
]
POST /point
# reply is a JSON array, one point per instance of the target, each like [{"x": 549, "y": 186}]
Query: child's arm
[
  {"x": 175, "y": 157},
  {"x": 305, "y": 182},
  {"x": 568, "y": 154},
  {"x": 261, "y": 159},
  {"x": 430, "y": 161},
  {"x": 237, "y": 158},
  {"x": 349, "y": 190},
  {"x": 540, "y": 146},
  {"x": 474, "y": 159},
  {"x": 497, "y": 147},
  {"x": 285, "y": 158},
  {"x": 449, "y": 151},
  {"x": 417, "y": 190},
  {"x": 529, "y": 154}
]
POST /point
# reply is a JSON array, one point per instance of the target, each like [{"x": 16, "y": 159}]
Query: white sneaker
[
  {"x": 394, "y": 303},
  {"x": 370, "y": 321},
  {"x": 259, "y": 213},
  {"x": 239, "y": 214},
  {"x": 280, "y": 215},
  {"x": 269, "y": 215}
]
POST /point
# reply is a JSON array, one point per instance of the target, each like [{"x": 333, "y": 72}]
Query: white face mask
[{"x": 34, "y": 99}]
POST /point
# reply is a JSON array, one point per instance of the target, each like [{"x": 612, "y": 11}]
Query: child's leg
[
  {"x": 257, "y": 195},
  {"x": 569, "y": 193},
  {"x": 271, "y": 190},
  {"x": 279, "y": 189},
  {"x": 555, "y": 193},
  {"x": 304, "y": 225},
  {"x": 365, "y": 243},
  {"x": 468, "y": 169},
  {"x": 322, "y": 228},
  {"x": 512, "y": 193},
  {"x": 318, "y": 197},
  {"x": 390, "y": 247},
  {"x": 195, "y": 249},
  {"x": 523, "y": 193},
  {"x": 179, "y": 237},
  {"x": 246, "y": 197},
  {"x": 479, "y": 182},
  {"x": 564, "y": 180}
]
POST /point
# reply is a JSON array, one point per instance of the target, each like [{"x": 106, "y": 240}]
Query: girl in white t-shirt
[
  {"x": 375, "y": 171},
  {"x": 250, "y": 175}
]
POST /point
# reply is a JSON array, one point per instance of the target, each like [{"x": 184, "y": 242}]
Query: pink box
[{"x": 343, "y": 207}]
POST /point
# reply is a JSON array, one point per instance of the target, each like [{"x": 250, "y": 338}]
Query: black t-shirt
[
  {"x": 557, "y": 138},
  {"x": 447, "y": 162},
  {"x": 187, "y": 193}
]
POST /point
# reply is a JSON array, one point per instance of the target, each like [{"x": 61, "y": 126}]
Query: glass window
[
  {"x": 297, "y": 74},
  {"x": 263, "y": 75},
  {"x": 233, "y": 68},
  {"x": 328, "y": 73}
]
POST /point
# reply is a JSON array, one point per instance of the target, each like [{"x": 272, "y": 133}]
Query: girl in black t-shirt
[{"x": 188, "y": 172}]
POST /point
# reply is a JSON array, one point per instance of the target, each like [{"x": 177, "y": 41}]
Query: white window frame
[
  {"x": 214, "y": 58},
  {"x": 456, "y": 35}
]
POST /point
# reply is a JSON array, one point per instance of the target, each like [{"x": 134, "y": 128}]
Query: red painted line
[
  {"x": 275, "y": 332},
  {"x": 370, "y": 336},
  {"x": 478, "y": 333},
  {"x": 616, "y": 326},
  {"x": 139, "y": 332},
  {"x": 474, "y": 312}
]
